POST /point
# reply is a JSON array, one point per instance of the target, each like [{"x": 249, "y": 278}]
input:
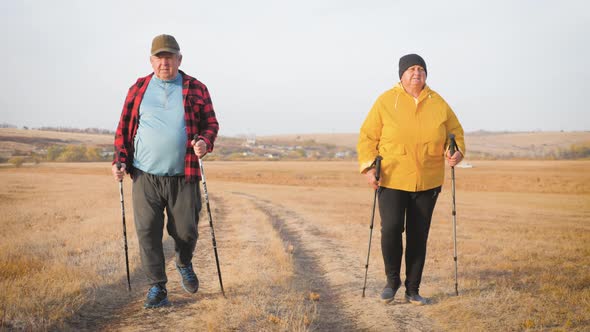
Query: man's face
[
  {"x": 165, "y": 65},
  {"x": 414, "y": 77}
]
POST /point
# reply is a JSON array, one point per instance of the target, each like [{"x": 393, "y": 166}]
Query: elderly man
[{"x": 154, "y": 144}]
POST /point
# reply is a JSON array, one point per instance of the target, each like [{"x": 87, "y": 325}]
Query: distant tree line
[
  {"x": 576, "y": 151},
  {"x": 64, "y": 129},
  {"x": 7, "y": 125},
  {"x": 98, "y": 131},
  {"x": 78, "y": 130}
]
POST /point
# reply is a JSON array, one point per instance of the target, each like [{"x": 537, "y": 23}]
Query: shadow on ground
[{"x": 109, "y": 300}]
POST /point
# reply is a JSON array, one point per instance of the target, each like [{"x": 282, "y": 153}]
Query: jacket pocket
[
  {"x": 195, "y": 100},
  {"x": 195, "y": 104},
  {"x": 435, "y": 149},
  {"x": 393, "y": 149}
]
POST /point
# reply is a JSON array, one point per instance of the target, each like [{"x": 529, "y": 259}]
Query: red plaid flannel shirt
[{"x": 199, "y": 118}]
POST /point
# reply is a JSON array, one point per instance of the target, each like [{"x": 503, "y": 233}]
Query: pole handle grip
[
  {"x": 452, "y": 144},
  {"x": 378, "y": 167},
  {"x": 118, "y": 163}
]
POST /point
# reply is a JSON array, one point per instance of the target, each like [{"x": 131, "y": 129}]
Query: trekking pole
[
  {"x": 124, "y": 228},
  {"x": 210, "y": 222},
  {"x": 377, "y": 176},
  {"x": 452, "y": 149}
]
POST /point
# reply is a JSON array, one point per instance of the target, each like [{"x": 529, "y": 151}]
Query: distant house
[
  {"x": 340, "y": 154},
  {"x": 107, "y": 153},
  {"x": 251, "y": 140},
  {"x": 464, "y": 165}
]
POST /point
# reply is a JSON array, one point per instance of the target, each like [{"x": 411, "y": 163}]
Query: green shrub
[
  {"x": 73, "y": 153},
  {"x": 54, "y": 151},
  {"x": 93, "y": 154},
  {"x": 17, "y": 161}
]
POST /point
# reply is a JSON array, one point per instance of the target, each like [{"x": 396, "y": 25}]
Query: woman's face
[{"x": 414, "y": 77}]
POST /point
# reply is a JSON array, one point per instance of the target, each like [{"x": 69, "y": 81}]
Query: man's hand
[
  {"x": 371, "y": 179},
  {"x": 454, "y": 159},
  {"x": 119, "y": 174},
  {"x": 200, "y": 147}
]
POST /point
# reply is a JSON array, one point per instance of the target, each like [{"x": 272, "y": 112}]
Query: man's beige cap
[{"x": 165, "y": 43}]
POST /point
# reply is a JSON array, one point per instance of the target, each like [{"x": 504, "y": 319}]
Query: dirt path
[{"x": 337, "y": 277}]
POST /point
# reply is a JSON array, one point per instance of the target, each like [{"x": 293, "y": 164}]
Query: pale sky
[{"x": 305, "y": 66}]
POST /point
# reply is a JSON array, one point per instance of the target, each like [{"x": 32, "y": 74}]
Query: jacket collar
[{"x": 425, "y": 93}]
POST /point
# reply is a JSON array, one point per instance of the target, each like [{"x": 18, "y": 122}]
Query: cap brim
[{"x": 169, "y": 50}]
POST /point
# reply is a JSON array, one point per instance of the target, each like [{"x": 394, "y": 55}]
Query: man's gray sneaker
[
  {"x": 189, "y": 281},
  {"x": 388, "y": 293},
  {"x": 416, "y": 299},
  {"x": 157, "y": 297}
]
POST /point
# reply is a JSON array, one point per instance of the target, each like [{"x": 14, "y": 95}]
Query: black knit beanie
[{"x": 410, "y": 60}]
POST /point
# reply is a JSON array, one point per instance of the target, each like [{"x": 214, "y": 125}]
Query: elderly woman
[{"x": 408, "y": 127}]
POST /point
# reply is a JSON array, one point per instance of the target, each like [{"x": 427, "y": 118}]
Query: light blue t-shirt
[{"x": 160, "y": 141}]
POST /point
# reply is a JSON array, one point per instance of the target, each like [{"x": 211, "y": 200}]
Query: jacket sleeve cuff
[
  {"x": 208, "y": 142},
  {"x": 458, "y": 149}
]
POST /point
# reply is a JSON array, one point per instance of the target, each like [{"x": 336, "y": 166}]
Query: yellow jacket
[{"x": 411, "y": 136}]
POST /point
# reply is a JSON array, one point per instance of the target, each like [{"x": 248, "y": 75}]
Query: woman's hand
[
  {"x": 371, "y": 179},
  {"x": 454, "y": 159}
]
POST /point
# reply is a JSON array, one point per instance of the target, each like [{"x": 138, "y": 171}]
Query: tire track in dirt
[
  {"x": 335, "y": 272},
  {"x": 308, "y": 273}
]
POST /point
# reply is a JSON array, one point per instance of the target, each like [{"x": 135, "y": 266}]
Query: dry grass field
[{"x": 292, "y": 240}]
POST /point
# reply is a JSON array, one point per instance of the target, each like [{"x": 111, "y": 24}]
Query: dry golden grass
[
  {"x": 52, "y": 236},
  {"x": 292, "y": 240}
]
